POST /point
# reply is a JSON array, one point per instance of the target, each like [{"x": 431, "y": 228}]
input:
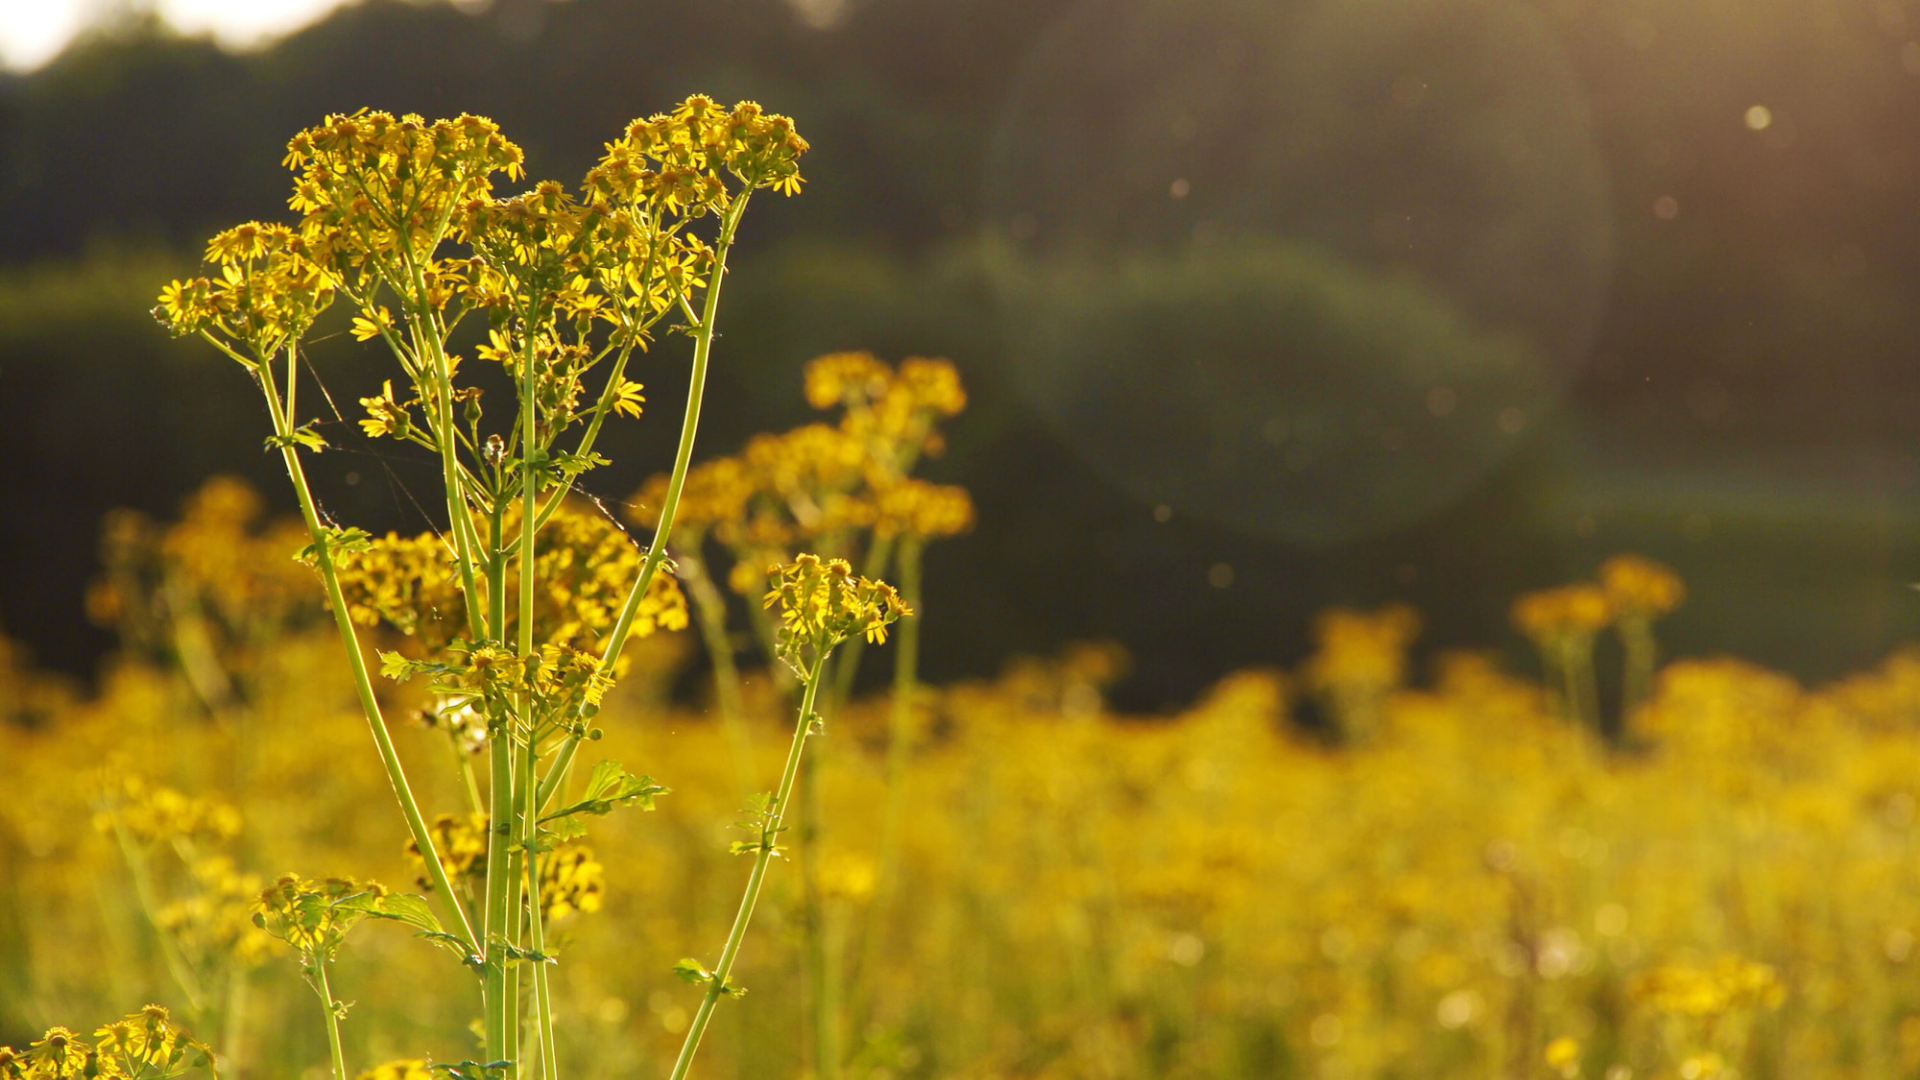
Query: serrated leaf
[
  {"x": 609, "y": 786},
  {"x": 399, "y": 668},
  {"x": 350, "y": 539}
]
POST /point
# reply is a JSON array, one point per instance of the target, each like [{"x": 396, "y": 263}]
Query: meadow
[
  {"x": 1380, "y": 863},
  {"x": 1344, "y": 870}
]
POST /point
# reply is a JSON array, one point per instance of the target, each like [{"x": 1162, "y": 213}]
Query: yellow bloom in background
[
  {"x": 402, "y": 1069},
  {"x": 1641, "y": 586}
]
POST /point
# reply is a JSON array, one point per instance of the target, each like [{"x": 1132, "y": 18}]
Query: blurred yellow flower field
[{"x": 1366, "y": 868}]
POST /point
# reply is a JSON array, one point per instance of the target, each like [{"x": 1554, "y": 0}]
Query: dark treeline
[{"x": 1745, "y": 410}]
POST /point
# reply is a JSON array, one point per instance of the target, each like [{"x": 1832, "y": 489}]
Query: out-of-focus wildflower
[
  {"x": 153, "y": 814},
  {"x": 461, "y": 840},
  {"x": 215, "y": 923},
  {"x": 1639, "y": 591},
  {"x": 402, "y": 1069},
  {"x": 1360, "y": 658},
  {"x": 571, "y": 880},
  {"x": 1563, "y": 1056},
  {"x": 1732, "y": 982},
  {"x": 1562, "y": 622}
]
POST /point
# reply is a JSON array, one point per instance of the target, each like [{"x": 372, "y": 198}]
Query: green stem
[
  {"x": 332, "y": 1010},
  {"x": 542, "y": 993},
  {"x": 233, "y": 1027},
  {"x": 820, "y": 979},
  {"x": 509, "y": 1003},
  {"x": 1642, "y": 656},
  {"x": 459, "y": 519},
  {"x": 452, "y": 912},
  {"x": 717, "y": 983},
  {"x": 682, "y": 458},
  {"x": 469, "y": 780},
  {"x": 143, "y": 892},
  {"x": 499, "y": 831}
]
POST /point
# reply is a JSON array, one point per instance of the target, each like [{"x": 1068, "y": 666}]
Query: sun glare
[{"x": 33, "y": 33}]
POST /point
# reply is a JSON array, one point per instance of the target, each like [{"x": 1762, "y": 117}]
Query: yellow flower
[
  {"x": 1563, "y": 1056},
  {"x": 1641, "y": 587},
  {"x": 402, "y": 1069},
  {"x": 1578, "y": 610},
  {"x": 370, "y": 325},
  {"x": 571, "y": 880},
  {"x": 822, "y": 603}
]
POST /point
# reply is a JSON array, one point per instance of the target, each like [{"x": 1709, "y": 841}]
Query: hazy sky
[{"x": 33, "y": 31}]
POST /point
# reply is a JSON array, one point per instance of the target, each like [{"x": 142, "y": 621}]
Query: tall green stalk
[
  {"x": 332, "y": 1010},
  {"x": 770, "y": 829},
  {"x": 670, "y": 505},
  {"x": 822, "y": 978},
  {"x": 452, "y": 913},
  {"x": 542, "y": 992}
]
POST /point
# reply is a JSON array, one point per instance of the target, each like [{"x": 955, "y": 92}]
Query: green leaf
[
  {"x": 303, "y": 436},
  {"x": 610, "y": 786},
  {"x": 518, "y": 955},
  {"x": 690, "y": 971},
  {"x": 400, "y": 669},
  {"x": 349, "y": 540},
  {"x": 410, "y": 909}
]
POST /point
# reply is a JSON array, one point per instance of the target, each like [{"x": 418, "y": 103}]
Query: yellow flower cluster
[
  {"x": 215, "y": 922},
  {"x": 835, "y": 488},
  {"x": 1562, "y": 623},
  {"x": 1359, "y": 658},
  {"x": 268, "y": 291},
  {"x": 571, "y": 880},
  {"x": 314, "y": 916},
  {"x": 408, "y": 582},
  {"x": 1638, "y": 586},
  {"x": 379, "y": 193},
  {"x": 584, "y": 565},
  {"x": 1732, "y": 982},
  {"x": 154, "y": 814},
  {"x": 823, "y": 603},
  {"x": 1563, "y": 612},
  {"x": 461, "y": 841},
  {"x": 147, "y": 1045},
  {"x": 371, "y": 182}
]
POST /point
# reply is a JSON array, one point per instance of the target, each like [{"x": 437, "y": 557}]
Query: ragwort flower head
[
  {"x": 372, "y": 186},
  {"x": 846, "y": 378},
  {"x": 921, "y": 510},
  {"x": 822, "y": 603},
  {"x": 675, "y": 162},
  {"x": 148, "y": 1045},
  {"x": 267, "y": 291},
  {"x": 314, "y": 916},
  {"x": 1638, "y": 587},
  {"x": 1567, "y": 612}
]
